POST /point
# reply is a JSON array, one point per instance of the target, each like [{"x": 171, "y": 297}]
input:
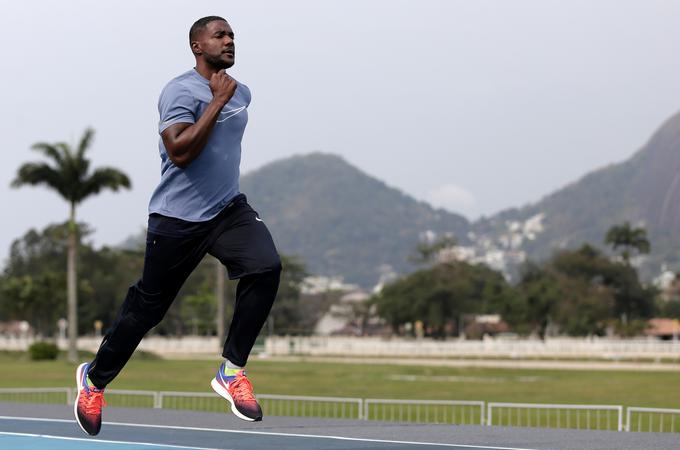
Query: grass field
[{"x": 628, "y": 388}]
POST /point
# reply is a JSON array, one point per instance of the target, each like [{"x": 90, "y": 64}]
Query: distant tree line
[
  {"x": 575, "y": 292},
  {"x": 33, "y": 287}
]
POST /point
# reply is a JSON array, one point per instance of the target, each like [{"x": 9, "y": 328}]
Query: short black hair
[{"x": 200, "y": 25}]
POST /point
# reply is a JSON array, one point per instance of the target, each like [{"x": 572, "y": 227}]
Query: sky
[{"x": 472, "y": 105}]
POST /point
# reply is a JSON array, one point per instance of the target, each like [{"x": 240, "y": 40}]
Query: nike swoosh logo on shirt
[{"x": 229, "y": 114}]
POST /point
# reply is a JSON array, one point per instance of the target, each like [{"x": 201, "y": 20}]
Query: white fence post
[
  {"x": 440, "y": 409},
  {"x": 636, "y": 409},
  {"x": 557, "y": 408}
]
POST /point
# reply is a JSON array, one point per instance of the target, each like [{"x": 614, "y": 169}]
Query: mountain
[
  {"x": 340, "y": 220},
  {"x": 644, "y": 190},
  {"x": 343, "y": 222}
]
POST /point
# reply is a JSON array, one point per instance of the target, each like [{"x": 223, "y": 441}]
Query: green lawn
[{"x": 628, "y": 388}]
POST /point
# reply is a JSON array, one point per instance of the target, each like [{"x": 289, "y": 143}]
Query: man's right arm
[{"x": 185, "y": 141}]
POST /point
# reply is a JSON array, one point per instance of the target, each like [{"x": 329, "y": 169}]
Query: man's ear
[{"x": 196, "y": 48}]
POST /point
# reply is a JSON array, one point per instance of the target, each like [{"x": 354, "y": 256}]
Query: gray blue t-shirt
[{"x": 200, "y": 191}]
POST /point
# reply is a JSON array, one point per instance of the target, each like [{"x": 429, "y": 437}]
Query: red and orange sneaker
[
  {"x": 89, "y": 403},
  {"x": 238, "y": 391}
]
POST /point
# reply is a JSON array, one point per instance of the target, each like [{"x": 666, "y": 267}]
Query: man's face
[{"x": 215, "y": 44}]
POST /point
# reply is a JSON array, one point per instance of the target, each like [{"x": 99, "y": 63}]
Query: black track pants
[{"x": 241, "y": 241}]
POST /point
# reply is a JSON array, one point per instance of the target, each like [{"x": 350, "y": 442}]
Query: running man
[{"x": 196, "y": 209}]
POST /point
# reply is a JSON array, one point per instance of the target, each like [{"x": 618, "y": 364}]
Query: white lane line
[
  {"x": 105, "y": 441},
  {"x": 271, "y": 433}
]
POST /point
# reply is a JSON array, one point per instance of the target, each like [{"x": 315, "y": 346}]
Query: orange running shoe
[
  {"x": 238, "y": 391},
  {"x": 89, "y": 403}
]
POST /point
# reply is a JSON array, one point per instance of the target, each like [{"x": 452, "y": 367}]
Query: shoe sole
[
  {"x": 222, "y": 392},
  {"x": 79, "y": 384}
]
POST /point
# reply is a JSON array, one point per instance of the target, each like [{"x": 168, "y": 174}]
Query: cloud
[{"x": 453, "y": 198}]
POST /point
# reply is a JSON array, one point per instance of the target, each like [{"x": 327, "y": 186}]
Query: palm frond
[
  {"x": 85, "y": 142},
  {"x": 103, "y": 178},
  {"x": 40, "y": 173},
  {"x": 69, "y": 175},
  {"x": 65, "y": 150},
  {"x": 74, "y": 167},
  {"x": 51, "y": 151}
]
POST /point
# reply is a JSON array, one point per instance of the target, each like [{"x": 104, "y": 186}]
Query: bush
[{"x": 40, "y": 351}]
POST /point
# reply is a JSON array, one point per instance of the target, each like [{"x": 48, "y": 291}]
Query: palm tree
[
  {"x": 428, "y": 252},
  {"x": 628, "y": 238},
  {"x": 69, "y": 175}
]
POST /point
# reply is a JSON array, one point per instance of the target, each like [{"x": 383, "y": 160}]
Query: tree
[
  {"x": 33, "y": 282},
  {"x": 69, "y": 175},
  {"x": 541, "y": 294},
  {"x": 628, "y": 238},
  {"x": 427, "y": 251},
  {"x": 670, "y": 308},
  {"x": 40, "y": 297},
  {"x": 577, "y": 306},
  {"x": 441, "y": 295},
  {"x": 582, "y": 291}
]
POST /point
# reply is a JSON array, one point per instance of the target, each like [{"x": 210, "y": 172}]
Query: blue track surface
[
  {"x": 52, "y": 427},
  {"x": 58, "y": 443},
  {"x": 56, "y": 434}
]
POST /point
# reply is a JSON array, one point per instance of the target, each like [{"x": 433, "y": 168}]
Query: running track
[{"x": 51, "y": 427}]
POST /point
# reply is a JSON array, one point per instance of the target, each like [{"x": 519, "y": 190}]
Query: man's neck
[{"x": 206, "y": 70}]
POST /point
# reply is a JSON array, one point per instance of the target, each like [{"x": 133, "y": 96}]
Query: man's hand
[
  {"x": 184, "y": 141},
  {"x": 222, "y": 86}
]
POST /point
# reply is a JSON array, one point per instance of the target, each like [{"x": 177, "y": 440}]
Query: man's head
[{"x": 212, "y": 39}]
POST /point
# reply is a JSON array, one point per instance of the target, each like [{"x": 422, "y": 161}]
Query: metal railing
[
  {"x": 133, "y": 399},
  {"x": 657, "y": 419},
  {"x": 587, "y": 417},
  {"x": 458, "y": 412},
  {"x": 194, "y": 401},
  {"x": 281, "y": 405},
  {"x": 36, "y": 395},
  {"x": 326, "y": 407}
]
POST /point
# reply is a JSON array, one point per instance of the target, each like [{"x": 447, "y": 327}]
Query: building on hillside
[
  {"x": 662, "y": 328},
  {"x": 668, "y": 284},
  {"x": 351, "y": 315},
  {"x": 485, "y": 325},
  {"x": 387, "y": 275},
  {"x": 318, "y": 284}
]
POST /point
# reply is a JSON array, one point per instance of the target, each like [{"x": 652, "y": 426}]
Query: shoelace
[
  {"x": 242, "y": 389},
  {"x": 94, "y": 401}
]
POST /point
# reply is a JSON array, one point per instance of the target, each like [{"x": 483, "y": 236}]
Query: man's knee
[
  {"x": 275, "y": 265},
  {"x": 264, "y": 264},
  {"x": 146, "y": 308}
]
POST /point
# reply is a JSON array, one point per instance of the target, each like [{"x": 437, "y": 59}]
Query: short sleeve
[
  {"x": 248, "y": 95},
  {"x": 176, "y": 105}
]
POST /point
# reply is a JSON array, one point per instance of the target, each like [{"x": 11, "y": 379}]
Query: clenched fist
[{"x": 222, "y": 86}]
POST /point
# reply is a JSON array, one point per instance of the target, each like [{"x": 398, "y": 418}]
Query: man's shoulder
[
  {"x": 244, "y": 86},
  {"x": 246, "y": 91},
  {"x": 184, "y": 82}
]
